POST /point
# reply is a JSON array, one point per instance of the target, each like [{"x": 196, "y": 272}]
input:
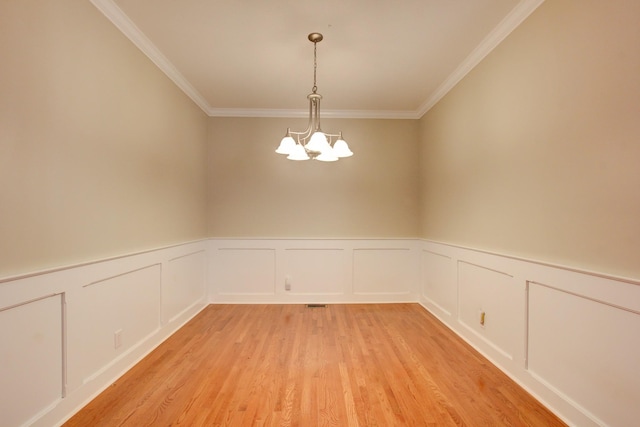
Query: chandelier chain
[{"x": 315, "y": 67}]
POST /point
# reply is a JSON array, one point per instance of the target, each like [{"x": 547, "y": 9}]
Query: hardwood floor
[{"x": 289, "y": 365}]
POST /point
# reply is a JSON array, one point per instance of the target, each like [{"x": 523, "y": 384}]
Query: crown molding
[
  {"x": 113, "y": 13},
  {"x": 490, "y": 42},
  {"x": 336, "y": 114},
  {"x": 519, "y": 13}
]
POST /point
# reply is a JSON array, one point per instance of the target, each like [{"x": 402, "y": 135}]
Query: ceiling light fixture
[{"x": 312, "y": 143}]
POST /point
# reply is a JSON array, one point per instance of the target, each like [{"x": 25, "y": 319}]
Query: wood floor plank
[{"x": 289, "y": 365}]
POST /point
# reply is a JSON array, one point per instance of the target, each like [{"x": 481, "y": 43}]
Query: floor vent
[{"x": 316, "y": 305}]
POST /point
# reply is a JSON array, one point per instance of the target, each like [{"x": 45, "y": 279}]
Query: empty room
[{"x": 188, "y": 237}]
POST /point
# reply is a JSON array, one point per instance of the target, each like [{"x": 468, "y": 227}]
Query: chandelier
[{"x": 313, "y": 143}]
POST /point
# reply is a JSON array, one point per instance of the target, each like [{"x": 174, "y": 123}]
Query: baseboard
[
  {"x": 59, "y": 326},
  {"x": 300, "y": 271},
  {"x": 568, "y": 337},
  {"x": 554, "y": 330}
]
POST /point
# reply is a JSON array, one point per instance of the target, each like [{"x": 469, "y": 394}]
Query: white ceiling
[{"x": 378, "y": 59}]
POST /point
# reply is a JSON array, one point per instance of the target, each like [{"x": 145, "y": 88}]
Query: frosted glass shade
[
  {"x": 298, "y": 153},
  {"x": 318, "y": 143},
  {"x": 327, "y": 156},
  {"x": 341, "y": 149},
  {"x": 286, "y": 145}
]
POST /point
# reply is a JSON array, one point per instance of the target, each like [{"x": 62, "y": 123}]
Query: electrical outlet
[
  {"x": 482, "y": 318},
  {"x": 117, "y": 338},
  {"x": 287, "y": 283}
]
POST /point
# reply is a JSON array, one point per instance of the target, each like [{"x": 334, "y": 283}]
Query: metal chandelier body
[{"x": 313, "y": 143}]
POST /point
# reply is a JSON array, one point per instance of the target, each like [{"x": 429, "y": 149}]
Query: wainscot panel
[
  {"x": 383, "y": 271},
  {"x": 117, "y": 313},
  {"x": 318, "y": 272},
  {"x": 313, "y": 270},
  {"x": 569, "y": 337},
  {"x": 186, "y": 283},
  {"x": 73, "y": 331},
  {"x": 588, "y": 351},
  {"x": 242, "y": 272},
  {"x": 491, "y": 305},
  {"x": 439, "y": 288},
  {"x": 31, "y": 337}
]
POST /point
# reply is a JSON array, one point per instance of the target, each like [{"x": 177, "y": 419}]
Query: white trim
[
  {"x": 86, "y": 374},
  {"x": 542, "y": 263},
  {"x": 494, "y": 361},
  {"x": 337, "y": 114},
  {"x": 520, "y": 12},
  {"x": 111, "y": 10},
  {"x": 42, "y": 272},
  {"x": 508, "y": 343},
  {"x": 490, "y": 42},
  {"x": 512, "y": 359},
  {"x": 569, "y": 268}
]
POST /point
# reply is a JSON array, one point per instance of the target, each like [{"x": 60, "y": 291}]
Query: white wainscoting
[
  {"x": 316, "y": 270},
  {"x": 571, "y": 338},
  {"x": 31, "y": 354},
  {"x": 58, "y": 329}
]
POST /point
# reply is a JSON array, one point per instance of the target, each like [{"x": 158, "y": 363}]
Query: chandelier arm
[
  {"x": 302, "y": 136},
  {"x": 313, "y": 124}
]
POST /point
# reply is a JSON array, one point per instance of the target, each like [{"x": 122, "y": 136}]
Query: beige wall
[
  {"x": 536, "y": 152},
  {"x": 254, "y": 192},
  {"x": 100, "y": 153}
]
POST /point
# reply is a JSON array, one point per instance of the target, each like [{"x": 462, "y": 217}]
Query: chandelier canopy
[{"x": 313, "y": 143}]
